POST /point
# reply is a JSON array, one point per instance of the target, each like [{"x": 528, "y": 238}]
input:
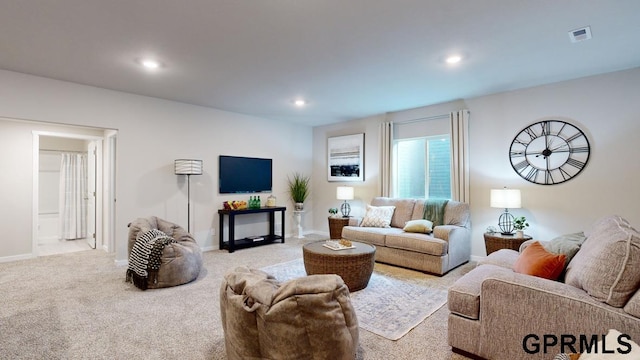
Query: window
[{"x": 422, "y": 167}]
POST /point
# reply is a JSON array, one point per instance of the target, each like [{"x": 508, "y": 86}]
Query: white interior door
[{"x": 91, "y": 193}]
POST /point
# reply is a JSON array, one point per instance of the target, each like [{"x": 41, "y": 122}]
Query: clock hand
[{"x": 560, "y": 146}]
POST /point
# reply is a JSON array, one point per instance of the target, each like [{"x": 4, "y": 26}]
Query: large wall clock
[{"x": 549, "y": 152}]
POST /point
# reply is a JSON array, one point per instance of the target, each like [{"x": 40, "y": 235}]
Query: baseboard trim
[{"x": 16, "y": 258}]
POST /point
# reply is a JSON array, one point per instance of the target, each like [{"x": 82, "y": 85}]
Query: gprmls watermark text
[{"x": 565, "y": 343}]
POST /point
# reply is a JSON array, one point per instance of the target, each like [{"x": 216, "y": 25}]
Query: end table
[
  {"x": 496, "y": 241},
  {"x": 335, "y": 226}
]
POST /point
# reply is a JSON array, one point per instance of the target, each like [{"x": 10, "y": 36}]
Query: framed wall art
[{"x": 345, "y": 158}]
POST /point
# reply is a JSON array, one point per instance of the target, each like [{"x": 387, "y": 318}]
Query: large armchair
[{"x": 499, "y": 313}]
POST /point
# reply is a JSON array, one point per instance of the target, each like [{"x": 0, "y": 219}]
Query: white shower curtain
[{"x": 73, "y": 191}]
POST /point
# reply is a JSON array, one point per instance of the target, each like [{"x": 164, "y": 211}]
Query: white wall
[
  {"x": 605, "y": 107},
  {"x": 152, "y": 133}
]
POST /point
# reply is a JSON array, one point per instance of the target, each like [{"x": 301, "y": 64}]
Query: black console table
[{"x": 232, "y": 244}]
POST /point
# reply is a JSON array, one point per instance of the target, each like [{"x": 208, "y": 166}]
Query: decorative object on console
[
  {"x": 188, "y": 167},
  {"x": 506, "y": 199},
  {"x": 345, "y": 193},
  {"x": 549, "y": 152},
  {"x": 333, "y": 211},
  {"x": 299, "y": 189},
  {"x": 234, "y": 205},
  {"x": 345, "y": 158},
  {"x": 271, "y": 201}
]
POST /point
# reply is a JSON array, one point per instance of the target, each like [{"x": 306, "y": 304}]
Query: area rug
[{"x": 387, "y": 307}]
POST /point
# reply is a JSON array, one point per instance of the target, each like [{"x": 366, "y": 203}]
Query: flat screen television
[{"x": 244, "y": 174}]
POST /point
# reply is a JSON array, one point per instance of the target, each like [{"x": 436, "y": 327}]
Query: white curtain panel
[
  {"x": 460, "y": 155},
  {"x": 386, "y": 145},
  {"x": 73, "y": 190}
]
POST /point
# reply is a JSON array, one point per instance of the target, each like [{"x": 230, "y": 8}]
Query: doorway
[{"x": 68, "y": 193}]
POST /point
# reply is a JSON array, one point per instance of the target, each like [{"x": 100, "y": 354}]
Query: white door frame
[{"x": 104, "y": 219}]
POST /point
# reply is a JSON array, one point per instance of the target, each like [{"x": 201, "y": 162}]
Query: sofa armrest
[
  {"x": 445, "y": 232},
  {"x": 458, "y": 239},
  {"x": 520, "y": 310}
]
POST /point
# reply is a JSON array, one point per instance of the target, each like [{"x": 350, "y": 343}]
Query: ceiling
[{"x": 348, "y": 58}]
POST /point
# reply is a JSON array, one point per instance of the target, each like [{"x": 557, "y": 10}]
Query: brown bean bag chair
[
  {"x": 303, "y": 319},
  {"x": 180, "y": 261}
]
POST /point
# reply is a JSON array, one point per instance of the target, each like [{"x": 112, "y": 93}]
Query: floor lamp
[{"x": 188, "y": 167}]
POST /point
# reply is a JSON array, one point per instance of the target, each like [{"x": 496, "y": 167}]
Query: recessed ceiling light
[
  {"x": 150, "y": 64},
  {"x": 299, "y": 102},
  {"x": 453, "y": 59}
]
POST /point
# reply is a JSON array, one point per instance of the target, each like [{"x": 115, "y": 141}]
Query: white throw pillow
[{"x": 378, "y": 216}]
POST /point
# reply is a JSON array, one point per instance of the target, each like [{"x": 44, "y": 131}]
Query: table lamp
[
  {"x": 505, "y": 199},
  {"x": 345, "y": 193}
]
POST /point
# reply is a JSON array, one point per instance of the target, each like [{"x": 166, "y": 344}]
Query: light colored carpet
[
  {"x": 387, "y": 307},
  {"x": 78, "y": 306}
]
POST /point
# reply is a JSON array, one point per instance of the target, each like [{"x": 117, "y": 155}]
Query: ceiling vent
[{"x": 581, "y": 34}]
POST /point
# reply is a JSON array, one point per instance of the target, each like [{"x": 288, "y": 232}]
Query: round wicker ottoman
[{"x": 353, "y": 265}]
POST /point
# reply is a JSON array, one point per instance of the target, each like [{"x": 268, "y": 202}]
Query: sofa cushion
[
  {"x": 403, "y": 211},
  {"x": 607, "y": 266},
  {"x": 374, "y": 236},
  {"x": 418, "y": 226},
  {"x": 378, "y": 216},
  {"x": 464, "y": 295},
  {"x": 537, "y": 261},
  {"x": 422, "y": 243},
  {"x": 504, "y": 258}
]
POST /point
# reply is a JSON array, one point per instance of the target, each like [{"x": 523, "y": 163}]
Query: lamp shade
[
  {"x": 344, "y": 193},
  {"x": 188, "y": 167},
  {"x": 505, "y": 198}
]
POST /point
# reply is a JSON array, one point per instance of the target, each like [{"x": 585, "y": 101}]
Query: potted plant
[
  {"x": 333, "y": 212},
  {"x": 299, "y": 189},
  {"x": 519, "y": 224}
]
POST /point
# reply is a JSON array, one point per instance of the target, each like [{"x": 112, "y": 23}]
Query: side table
[
  {"x": 335, "y": 226},
  {"x": 496, "y": 241}
]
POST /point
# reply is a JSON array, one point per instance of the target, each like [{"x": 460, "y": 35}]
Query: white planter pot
[
  {"x": 299, "y": 206},
  {"x": 519, "y": 234}
]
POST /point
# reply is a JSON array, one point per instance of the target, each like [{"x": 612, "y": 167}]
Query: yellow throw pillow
[{"x": 418, "y": 226}]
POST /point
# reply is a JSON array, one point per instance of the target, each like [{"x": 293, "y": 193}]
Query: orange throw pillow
[{"x": 537, "y": 261}]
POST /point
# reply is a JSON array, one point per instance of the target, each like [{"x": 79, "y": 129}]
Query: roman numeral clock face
[{"x": 549, "y": 152}]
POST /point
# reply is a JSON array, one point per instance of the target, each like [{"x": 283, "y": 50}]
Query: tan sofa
[
  {"x": 307, "y": 318},
  {"x": 448, "y": 246},
  {"x": 496, "y": 313}
]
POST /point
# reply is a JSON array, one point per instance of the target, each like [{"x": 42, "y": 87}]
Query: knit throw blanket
[
  {"x": 434, "y": 211},
  {"x": 146, "y": 257}
]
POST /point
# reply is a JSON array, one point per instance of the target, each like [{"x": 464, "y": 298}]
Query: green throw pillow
[{"x": 568, "y": 244}]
